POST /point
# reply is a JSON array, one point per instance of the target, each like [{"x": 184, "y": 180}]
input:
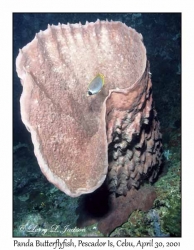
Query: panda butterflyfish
[{"x": 96, "y": 85}]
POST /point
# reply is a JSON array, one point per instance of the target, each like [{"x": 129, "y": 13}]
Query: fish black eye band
[{"x": 89, "y": 93}]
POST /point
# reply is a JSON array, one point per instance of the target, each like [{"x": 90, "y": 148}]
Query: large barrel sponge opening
[{"x": 70, "y": 130}]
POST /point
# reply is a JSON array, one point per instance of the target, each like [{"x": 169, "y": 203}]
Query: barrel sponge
[{"x": 72, "y": 133}]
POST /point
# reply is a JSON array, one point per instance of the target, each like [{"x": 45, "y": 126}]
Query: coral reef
[
  {"x": 168, "y": 189},
  {"x": 39, "y": 207},
  {"x": 164, "y": 219}
]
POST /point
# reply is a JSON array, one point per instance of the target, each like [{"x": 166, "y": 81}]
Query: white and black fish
[{"x": 95, "y": 85}]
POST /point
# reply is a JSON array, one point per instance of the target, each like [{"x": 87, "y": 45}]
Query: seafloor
[{"x": 40, "y": 209}]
